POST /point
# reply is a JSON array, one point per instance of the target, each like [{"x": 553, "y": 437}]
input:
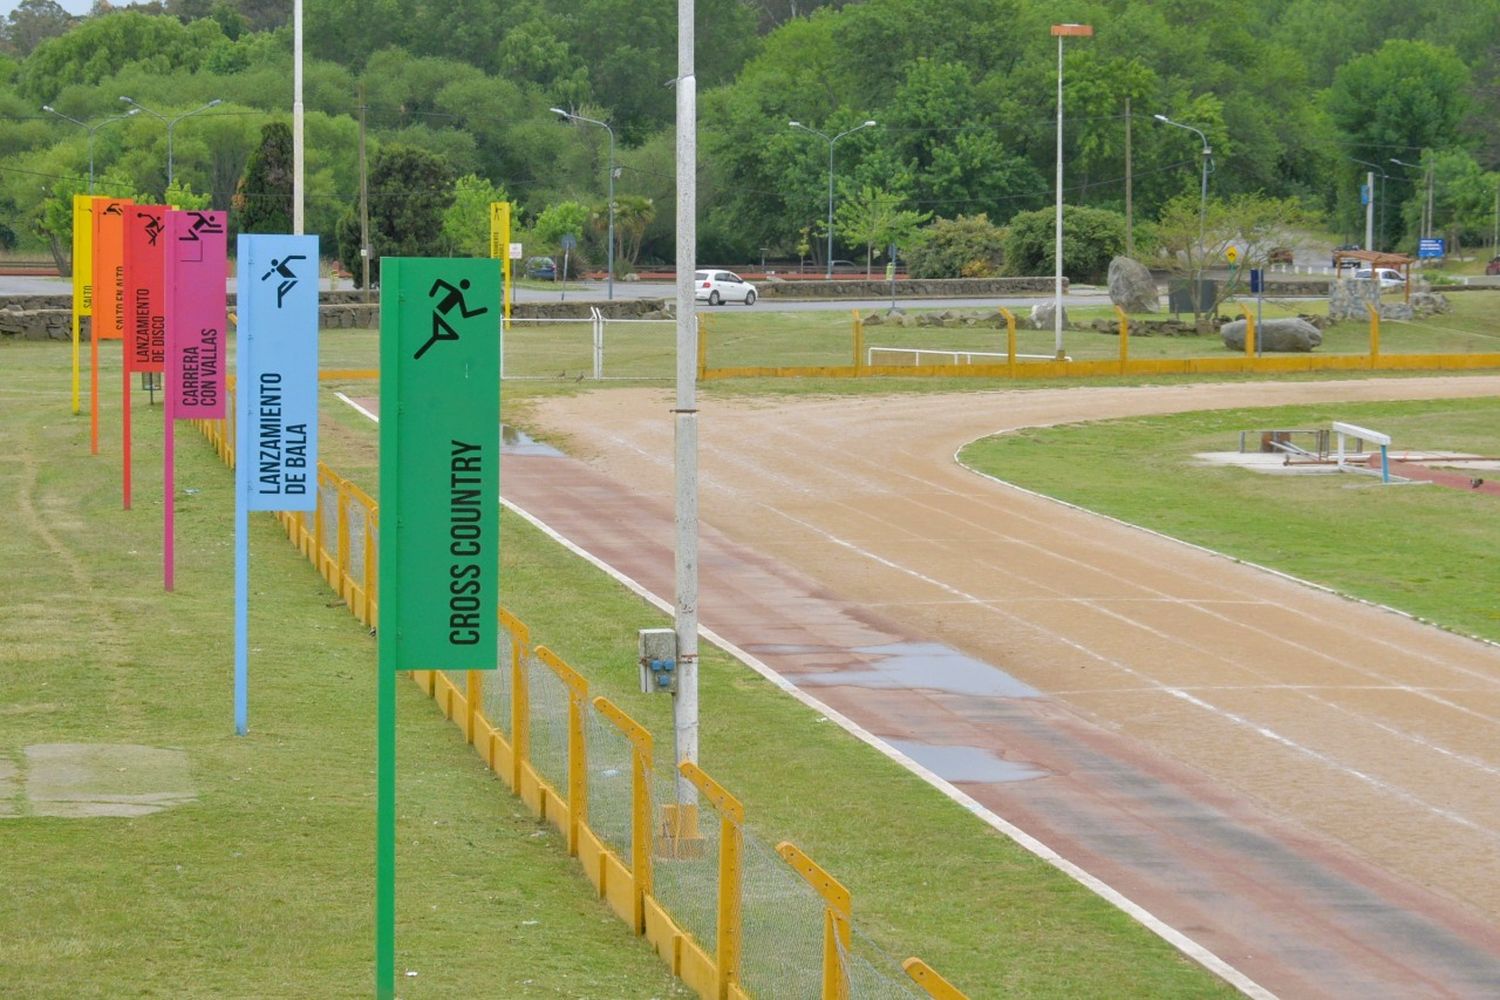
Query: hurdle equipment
[{"x": 1360, "y": 435}]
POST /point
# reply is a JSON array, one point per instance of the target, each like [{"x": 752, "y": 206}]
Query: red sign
[{"x": 145, "y": 297}]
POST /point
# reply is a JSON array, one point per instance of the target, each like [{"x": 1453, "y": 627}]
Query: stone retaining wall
[
  {"x": 910, "y": 288},
  {"x": 50, "y": 317}
]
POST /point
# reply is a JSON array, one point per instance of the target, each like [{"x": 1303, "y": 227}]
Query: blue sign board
[
  {"x": 1432, "y": 248},
  {"x": 1256, "y": 284},
  {"x": 277, "y": 368},
  {"x": 1364, "y": 194}
]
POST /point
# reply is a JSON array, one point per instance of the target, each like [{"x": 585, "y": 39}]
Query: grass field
[
  {"x": 262, "y": 885},
  {"x": 1424, "y": 549}
]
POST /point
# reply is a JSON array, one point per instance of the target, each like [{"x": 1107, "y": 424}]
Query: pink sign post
[{"x": 193, "y": 377}]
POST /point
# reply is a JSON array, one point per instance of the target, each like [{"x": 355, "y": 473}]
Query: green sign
[{"x": 439, "y": 463}]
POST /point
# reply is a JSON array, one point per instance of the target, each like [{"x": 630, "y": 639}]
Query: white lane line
[
  {"x": 1125, "y": 668},
  {"x": 1192, "y": 949},
  {"x": 374, "y": 417}
]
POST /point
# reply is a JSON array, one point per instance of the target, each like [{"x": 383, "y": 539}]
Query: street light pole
[
  {"x": 828, "y": 273},
  {"x": 1061, "y": 31},
  {"x": 1202, "y": 207},
  {"x": 171, "y": 124},
  {"x": 91, "y": 129},
  {"x": 610, "y": 249}
]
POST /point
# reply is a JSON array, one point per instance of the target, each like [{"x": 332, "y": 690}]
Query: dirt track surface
[{"x": 1304, "y": 785}]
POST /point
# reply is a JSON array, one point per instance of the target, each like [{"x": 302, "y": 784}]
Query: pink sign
[{"x": 195, "y": 315}]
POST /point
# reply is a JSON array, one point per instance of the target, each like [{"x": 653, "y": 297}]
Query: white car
[
  {"x": 715, "y": 287},
  {"x": 1389, "y": 277}
]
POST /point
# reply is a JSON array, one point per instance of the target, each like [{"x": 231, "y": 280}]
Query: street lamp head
[
  {"x": 132, "y": 111},
  {"x": 215, "y": 102},
  {"x": 795, "y": 124},
  {"x": 1162, "y": 118},
  {"x": 48, "y": 107},
  {"x": 869, "y": 123},
  {"x": 559, "y": 111}
]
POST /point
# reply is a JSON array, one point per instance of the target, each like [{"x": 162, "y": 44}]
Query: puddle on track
[
  {"x": 928, "y": 665},
  {"x": 958, "y": 763},
  {"x": 514, "y": 441}
]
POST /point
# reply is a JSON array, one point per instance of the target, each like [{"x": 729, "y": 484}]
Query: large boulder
[
  {"x": 1428, "y": 303},
  {"x": 1042, "y": 315},
  {"x": 1131, "y": 286},
  {"x": 1276, "y": 335}
]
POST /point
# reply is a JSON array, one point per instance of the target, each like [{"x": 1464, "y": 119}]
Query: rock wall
[
  {"x": 910, "y": 288},
  {"x": 50, "y": 317}
]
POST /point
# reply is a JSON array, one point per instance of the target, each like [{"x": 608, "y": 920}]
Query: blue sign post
[{"x": 276, "y": 407}]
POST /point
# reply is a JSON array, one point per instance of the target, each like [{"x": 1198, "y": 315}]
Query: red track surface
[{"x": 1303, "y": 785}]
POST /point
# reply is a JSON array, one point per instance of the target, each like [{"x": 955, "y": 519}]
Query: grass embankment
[
  {"x": 1426, "y": 550},
  {"x": 264, "y": 885}
]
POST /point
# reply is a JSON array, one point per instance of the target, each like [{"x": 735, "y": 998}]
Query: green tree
[
  {"x": 410, "y": 189},
  {"x": 634, "y": 214},
  {"x": 1252, "y": 224},
  {"x": 1091, "y": 238},
  {"x": 32, "y": 23},
  {"x": 466, "y": 222},
  {"x": 180, "y": 195},
  {"x": 263, "y": 200},
  {"x": 969, "y": 246},
  {"x": 104, "y": 45},
  {"x": 875, "y": 218}
]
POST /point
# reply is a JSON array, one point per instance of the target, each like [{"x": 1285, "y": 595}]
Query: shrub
[
  {"x": 1091, "y": 237},
  {"x": 969, "y": 246}
]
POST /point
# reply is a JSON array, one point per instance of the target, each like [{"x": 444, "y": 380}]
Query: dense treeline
[{"x": 1290, "y": 94}]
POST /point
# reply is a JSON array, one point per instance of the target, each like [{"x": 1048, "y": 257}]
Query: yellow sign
[
  {"x": 1232, "y": 255},
  {"x": 502, "y": 248}
]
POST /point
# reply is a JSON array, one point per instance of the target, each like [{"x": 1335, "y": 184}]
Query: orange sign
[{"x": 108, "y": 321}]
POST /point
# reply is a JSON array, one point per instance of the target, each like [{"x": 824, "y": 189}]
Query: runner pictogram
[
  {"x": 201, "y": 223},
  {"x": 153, "y": 226},
  {"x": 454, "y": 299},
  {"x": 288, "y": 276}
]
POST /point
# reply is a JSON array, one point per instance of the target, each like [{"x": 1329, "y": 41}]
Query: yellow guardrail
[{"x": 644, "y": 845}]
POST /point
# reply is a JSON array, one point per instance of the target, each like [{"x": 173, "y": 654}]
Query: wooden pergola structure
[{"x": 1376, "y": 259}]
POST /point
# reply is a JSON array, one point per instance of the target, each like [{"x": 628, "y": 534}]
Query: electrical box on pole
[{"x": 657, "y": 656}]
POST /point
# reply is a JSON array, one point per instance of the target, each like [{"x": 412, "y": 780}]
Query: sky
[{"x": 71, "y": 6}]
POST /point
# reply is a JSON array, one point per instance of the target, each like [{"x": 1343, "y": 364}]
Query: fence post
[
  {"x": 341, "y": 585},
  {"x": 520, "y": 736},
  {"x": 372, "y": 573},
  {"x": 641, "y": 835},
  {"x": 936, "y": 986},
  {"x": 578, "y": 774},
  {"x": 1374, "y": 334},
  {"x": 598, "y": 318},
  {"x": 1124, "y": 338},
  {"x": 731, "y": 834},
  {"x": 473, "y": 692},
  {"x": 1010, "y": 339},
  {"x": 838, "y": 907},
  {"x": 859, "y": 344}
]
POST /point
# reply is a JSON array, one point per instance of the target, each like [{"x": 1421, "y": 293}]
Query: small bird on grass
[{"x": 1475, "y": 483}]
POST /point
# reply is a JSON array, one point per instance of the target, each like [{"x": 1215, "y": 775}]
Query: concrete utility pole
[
  {"x": 298, "y": 191},
  {"x": 685, "y": 414},
  {"x": 1369, "y": 210},
  {"x": 1129, "y": 208},
  {"x": 364, "y": 202},
  {"x": 1061, "y": 31}
]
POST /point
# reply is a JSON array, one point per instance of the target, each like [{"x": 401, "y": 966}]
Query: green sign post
[{"x": 439, "y": 508}]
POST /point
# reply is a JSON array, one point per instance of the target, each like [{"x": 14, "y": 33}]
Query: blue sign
[
  {"x": 1364, "y": 194},
  {"x": 1256, "y": 283},
  {"x": 1432, "y": 248},
  {"x": 277, "y": 369}
]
